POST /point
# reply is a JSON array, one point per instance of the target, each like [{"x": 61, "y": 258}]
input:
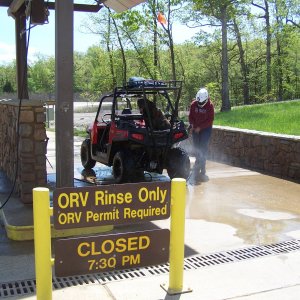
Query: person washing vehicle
[{"x": 201, "y": 117}]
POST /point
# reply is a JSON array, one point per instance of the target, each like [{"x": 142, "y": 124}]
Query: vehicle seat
[{"x": 126, "y": 111}]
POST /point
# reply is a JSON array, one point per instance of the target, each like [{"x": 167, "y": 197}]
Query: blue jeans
[{"x": 200, "y": 141}]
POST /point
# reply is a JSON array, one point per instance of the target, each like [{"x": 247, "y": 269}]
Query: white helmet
[{"x": 202, "y": 96}]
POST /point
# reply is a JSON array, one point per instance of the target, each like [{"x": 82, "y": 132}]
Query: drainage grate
[
  {"x": 25, "y": 287},
  {"x": 62, "y": 282},
  {"x": 207, "y": 260},
  {"x": 17, "y": 288},
  {"x": 107, "y": 277}
]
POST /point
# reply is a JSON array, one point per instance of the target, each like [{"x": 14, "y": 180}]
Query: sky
[{"x": 42, "y": 37}]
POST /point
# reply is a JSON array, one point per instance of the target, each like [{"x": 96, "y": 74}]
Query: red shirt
[{"x": 202, "y": 117}]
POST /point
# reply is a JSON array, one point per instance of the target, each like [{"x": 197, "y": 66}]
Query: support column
[
  {"x": 21, "y": 54},
  {"x": 64, "y": 93}
]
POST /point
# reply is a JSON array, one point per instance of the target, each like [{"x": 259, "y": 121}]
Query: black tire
[
  {"x": 124, "y": 169},
  {"x": 85, "y": 155},
  {"x": 178, "y": 164}
]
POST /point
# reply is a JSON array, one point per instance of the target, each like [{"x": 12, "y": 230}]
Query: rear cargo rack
[{"x": 149, "y": 87}]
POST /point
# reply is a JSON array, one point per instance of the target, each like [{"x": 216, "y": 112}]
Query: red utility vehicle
[{"x": 120, "y": 137}]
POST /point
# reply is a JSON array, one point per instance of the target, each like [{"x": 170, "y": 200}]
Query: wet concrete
[
  {"x": 239, "y": 206},
  {"x": 236, "y": 208},
  {"x": 258, "y": 209}
]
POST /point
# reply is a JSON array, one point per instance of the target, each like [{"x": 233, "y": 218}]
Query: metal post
[
  {"x": 42, "y": 243},
  {"x": 178, "y": 198},
  {"x": 64, "y": 137}
]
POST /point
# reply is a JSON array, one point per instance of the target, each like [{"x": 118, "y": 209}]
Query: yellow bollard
[
  {"x": 178, "y": 198},
  {"x": 42, "y": 243}
]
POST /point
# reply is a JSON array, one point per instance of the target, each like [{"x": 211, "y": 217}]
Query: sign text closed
[{"x": 101, "y": 253}]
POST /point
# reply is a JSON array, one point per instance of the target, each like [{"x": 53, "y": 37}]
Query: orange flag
[{"x": 161, "y": 18}]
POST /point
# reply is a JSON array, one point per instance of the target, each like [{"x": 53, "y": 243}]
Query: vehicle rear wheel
[
  {"x": 178, "y": 164},
  {"x": 85, "y": 155},
  {"x": 124, "y": 169}
]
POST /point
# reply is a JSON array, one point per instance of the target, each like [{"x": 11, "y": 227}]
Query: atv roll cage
[
  {"x": 145, "y": 88},
  {"x": 122, "y": 138}
]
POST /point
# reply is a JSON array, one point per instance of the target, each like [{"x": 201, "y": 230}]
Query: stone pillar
[{"x": 30, "y": 136}]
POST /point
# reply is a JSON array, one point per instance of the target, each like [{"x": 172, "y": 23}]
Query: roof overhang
[{"x": 121, "y": 5}]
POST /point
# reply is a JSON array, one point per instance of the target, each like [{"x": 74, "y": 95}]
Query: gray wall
[
  {"x": 31, "y": 155},
  {"x": 274, "y": 154}
]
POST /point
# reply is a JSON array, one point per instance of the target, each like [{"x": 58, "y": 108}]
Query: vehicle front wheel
[
  {"x": 85, "y": 155},
  {"x": 178, "y": 164}
]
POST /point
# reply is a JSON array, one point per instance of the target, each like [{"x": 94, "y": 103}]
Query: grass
[
  {"x": 278, "y": 117},
  {"x": 77, "y": 132},
  {"x": 80, "y": 132}
]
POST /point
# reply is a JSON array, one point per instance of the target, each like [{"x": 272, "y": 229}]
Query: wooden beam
[
  {"x": 80, "y": 7},
  {"x": 14, "y": 5},
  {"x": 21, "y": 55},
  {"x": 6, "y": 3}
]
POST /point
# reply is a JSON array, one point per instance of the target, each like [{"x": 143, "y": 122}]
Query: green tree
[
  {"x": 42, "y": 75},
  {"x": 132, "y": 26},
  {"x": 101, "y": 25},
  {"x": 264, "y": 6},
  {"x": 242, "y": 60},
  {"x": 7, "y": 87},
  {"x": 8, "y": 78},
  {"x": 220, "y": 13},
  {"x": 168, "y": 8},
  {"x": 293, "y": 12}
]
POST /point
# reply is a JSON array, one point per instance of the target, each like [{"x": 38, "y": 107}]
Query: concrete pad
[
  {"x": 252, "y": 278},
  {"x": 259, "y": 209},
  {"x": 82, "y": 292},
  {"x": 287, "y": 293},
  {"x": 19, "y": 267},
  {"x": 235, "y": 209}
]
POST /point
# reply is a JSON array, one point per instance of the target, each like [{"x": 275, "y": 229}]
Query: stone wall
[
  {"x": 273, "y": 154},
  {"x": 30, "y": 155}
]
